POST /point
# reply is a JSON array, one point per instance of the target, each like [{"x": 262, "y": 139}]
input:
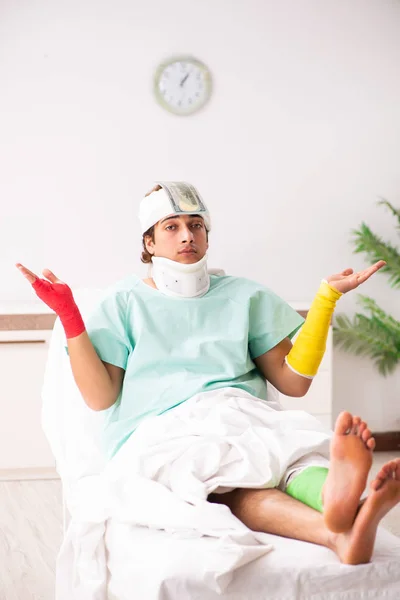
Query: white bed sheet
[{"x": 147, "y": 564}]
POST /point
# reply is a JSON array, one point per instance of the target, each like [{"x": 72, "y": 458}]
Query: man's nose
[{"x": 187, "y": 234}]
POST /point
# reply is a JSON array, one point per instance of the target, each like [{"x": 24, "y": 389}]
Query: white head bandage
[
  {"x": 174, "y": 198},
  {"x": 171, "y": 277}
]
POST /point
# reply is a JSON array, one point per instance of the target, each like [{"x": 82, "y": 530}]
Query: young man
[{"x": 153, "y": 344}]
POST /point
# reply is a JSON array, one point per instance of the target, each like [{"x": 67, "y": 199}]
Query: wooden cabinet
[{"x": 23, "y": 355}]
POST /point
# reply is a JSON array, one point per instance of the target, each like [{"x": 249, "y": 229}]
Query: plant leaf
[
  {"x": 367, "y": 336},
  {"x": 375, "y": 249},
  {"x": 394, "y": 211}
]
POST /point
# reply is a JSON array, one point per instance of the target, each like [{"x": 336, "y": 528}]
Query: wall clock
[{"x": 182, "y": 85}]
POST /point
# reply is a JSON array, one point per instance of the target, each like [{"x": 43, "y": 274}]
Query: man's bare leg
[
  {"x": 350, "y": 462},
  {"x": 273, "y": 511}
]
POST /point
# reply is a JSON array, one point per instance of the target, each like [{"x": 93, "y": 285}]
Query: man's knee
[
  {"x": 228, "y": 498},
  {"x": 241, "y": 498}
]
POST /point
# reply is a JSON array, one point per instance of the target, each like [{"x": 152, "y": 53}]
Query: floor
[{"x": 31, "y": 533}]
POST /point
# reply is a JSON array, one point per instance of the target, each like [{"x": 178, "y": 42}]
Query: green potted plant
[{"x": 375, "y": 334}]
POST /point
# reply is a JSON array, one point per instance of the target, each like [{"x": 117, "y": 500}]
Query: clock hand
[{"x": 184, "y": 79}]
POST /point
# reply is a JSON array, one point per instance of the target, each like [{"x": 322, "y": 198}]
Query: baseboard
[
  {"x": 387, "y": 441},
  {"x": 28, "y": 474}
]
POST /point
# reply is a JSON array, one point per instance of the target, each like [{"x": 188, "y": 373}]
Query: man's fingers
[
  {"x": 366, "y": 274},
  {"x": 340, "y": 276},
  {"x": 335, "y": 277},
  {"x": 374, "y": 268},
  {"x": 50, "y": 276},
  {"x": 31, "y": 277}
]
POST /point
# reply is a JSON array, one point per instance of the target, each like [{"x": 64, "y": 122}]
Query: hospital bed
[{"x": 150, "y": 564}]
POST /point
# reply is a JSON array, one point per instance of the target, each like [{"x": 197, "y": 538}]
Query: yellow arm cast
[{"x": 308, "y": 350}]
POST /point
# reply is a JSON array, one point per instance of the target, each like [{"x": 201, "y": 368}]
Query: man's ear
[{"x": 149, "y": 244}]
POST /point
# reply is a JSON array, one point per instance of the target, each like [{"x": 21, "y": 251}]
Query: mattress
[{"x": 150, "y": 564}]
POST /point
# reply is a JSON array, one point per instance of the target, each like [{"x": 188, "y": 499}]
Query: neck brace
[{"x": 173, "y": 278}]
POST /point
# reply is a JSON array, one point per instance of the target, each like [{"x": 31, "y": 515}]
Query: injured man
[{"x": 183, "y": 358}]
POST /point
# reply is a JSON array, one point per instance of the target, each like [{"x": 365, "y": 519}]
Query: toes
[
  {"x": 344, "y": 422},
  {"x": 390, "y": 467},
  {"x": 362, "y": 428},
  {"x": 371, "y": 443},
  {"x": 391, "y": 470},
  {"x": 383, "y": 473},
  {"x": 356, "y": 424},
  {"x": 377, "y": 483},
  {"x": 366, "y": 434},
  {"x": 379, "y": 480}
]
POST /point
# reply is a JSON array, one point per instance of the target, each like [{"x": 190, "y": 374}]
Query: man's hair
[{"x": 146, "y": 256}]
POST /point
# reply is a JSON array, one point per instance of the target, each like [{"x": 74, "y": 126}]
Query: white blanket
[{"x": 161, "y": 478}]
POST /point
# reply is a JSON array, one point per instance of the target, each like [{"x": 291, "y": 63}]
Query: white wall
[{"x": 300, "y": 138}]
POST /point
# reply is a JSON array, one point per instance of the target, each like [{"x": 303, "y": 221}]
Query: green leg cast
[{"x": 307, "y": 487}]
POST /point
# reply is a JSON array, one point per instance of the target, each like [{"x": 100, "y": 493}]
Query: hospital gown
[{"x": 173, "y": 348}]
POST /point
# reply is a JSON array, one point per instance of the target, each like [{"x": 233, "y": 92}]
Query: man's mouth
[{"x": 188, "y": 251}]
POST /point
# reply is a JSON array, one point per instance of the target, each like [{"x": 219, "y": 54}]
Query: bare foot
[
  {"x": 356, "y": 546},
  {"x": 350, "y": 462}
]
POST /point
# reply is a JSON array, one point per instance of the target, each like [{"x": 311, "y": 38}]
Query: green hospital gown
[{"x": 173, "y": 348}]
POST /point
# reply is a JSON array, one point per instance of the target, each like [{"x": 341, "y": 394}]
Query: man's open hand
[
  {"x": 58, "y": 296},
  {"x": 347, "y": 280},
  {"x": 54, "y": 292}
]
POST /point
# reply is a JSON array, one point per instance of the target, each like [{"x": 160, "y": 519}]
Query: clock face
[{"x": 182, "y": 85}]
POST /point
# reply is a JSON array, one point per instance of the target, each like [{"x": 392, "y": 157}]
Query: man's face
[{"x": 181, "y": 238}]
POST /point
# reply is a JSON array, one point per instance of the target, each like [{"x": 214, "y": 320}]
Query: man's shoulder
[
  {"x": 242, "y": 287},
  {"x": 126, "y": 284},
  {"x": 119, "y": 289}
]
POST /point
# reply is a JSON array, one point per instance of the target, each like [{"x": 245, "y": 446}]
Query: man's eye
[
  {"x": 169, "y": 226},
  {"x": 198, "y": 224}
]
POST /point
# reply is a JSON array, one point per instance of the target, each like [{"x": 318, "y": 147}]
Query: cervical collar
[{"x": 173, "y": 278}]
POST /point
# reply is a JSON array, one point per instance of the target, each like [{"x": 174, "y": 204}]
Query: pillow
[{"x": 71, "y": 427}]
